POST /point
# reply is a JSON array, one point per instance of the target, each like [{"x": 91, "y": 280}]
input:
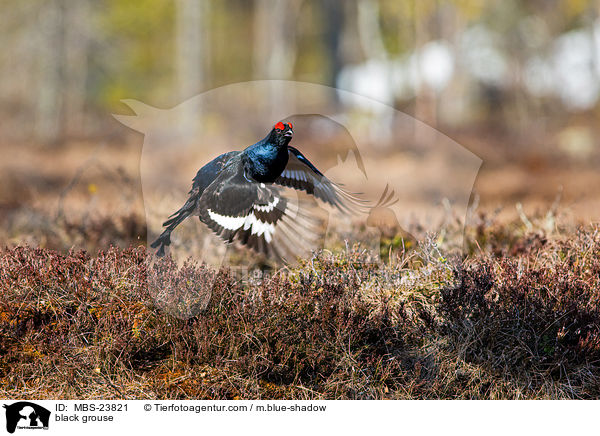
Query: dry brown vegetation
[{"x": 517, "y": 317}]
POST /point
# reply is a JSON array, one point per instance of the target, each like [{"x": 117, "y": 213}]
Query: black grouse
[{"x": 238, "y": 196}]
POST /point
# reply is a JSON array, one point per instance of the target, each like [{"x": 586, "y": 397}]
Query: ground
[{"x": 514, "y": 315}]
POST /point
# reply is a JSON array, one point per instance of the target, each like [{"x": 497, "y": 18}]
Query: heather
[{"x": 516, "y": 316}]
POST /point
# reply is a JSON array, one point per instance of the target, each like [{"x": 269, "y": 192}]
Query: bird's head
[{"x": 281, "y": 133}]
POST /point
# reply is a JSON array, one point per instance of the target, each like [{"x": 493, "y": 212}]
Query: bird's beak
[{"x": 288, "y": 134}]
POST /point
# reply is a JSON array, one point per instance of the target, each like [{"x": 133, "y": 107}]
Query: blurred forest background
[{"x": 515, "y": 82}]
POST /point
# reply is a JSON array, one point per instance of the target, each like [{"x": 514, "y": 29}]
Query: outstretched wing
[
  {"x": 257, "y": 216},
  {"x": 302, "y": 175}
]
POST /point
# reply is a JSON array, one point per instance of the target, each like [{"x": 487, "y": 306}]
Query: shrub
[{"x": 521, "y": 324}]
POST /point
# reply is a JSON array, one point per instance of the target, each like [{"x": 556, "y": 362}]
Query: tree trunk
[
  {"x": 77, "y": 45},
  {"x": 49, "y": 125},
  {"x": 334, "y": 16},
  {"x": 274, "y": 45},
  {"x": 192, "y": 48}
]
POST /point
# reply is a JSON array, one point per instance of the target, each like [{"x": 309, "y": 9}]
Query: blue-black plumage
[{"x": 238, "y": 196}]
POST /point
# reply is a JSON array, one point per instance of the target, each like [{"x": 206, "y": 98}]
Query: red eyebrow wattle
[
  {"x": 279, "y": 126},
  {"x": 290, "y": 124}
]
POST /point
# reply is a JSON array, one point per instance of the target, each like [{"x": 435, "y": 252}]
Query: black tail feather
[{"x": 164, "y": 240}]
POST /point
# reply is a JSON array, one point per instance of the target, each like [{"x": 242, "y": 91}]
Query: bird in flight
[{"x": 238, "y": 195}]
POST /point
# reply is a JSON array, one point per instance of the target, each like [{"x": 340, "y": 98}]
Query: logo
[
  {"x": 26, "y": 415},
  {"x": 414, "y": 181}
]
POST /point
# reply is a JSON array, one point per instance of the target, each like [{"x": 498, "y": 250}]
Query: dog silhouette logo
[{"x": 26, "y": 415}]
